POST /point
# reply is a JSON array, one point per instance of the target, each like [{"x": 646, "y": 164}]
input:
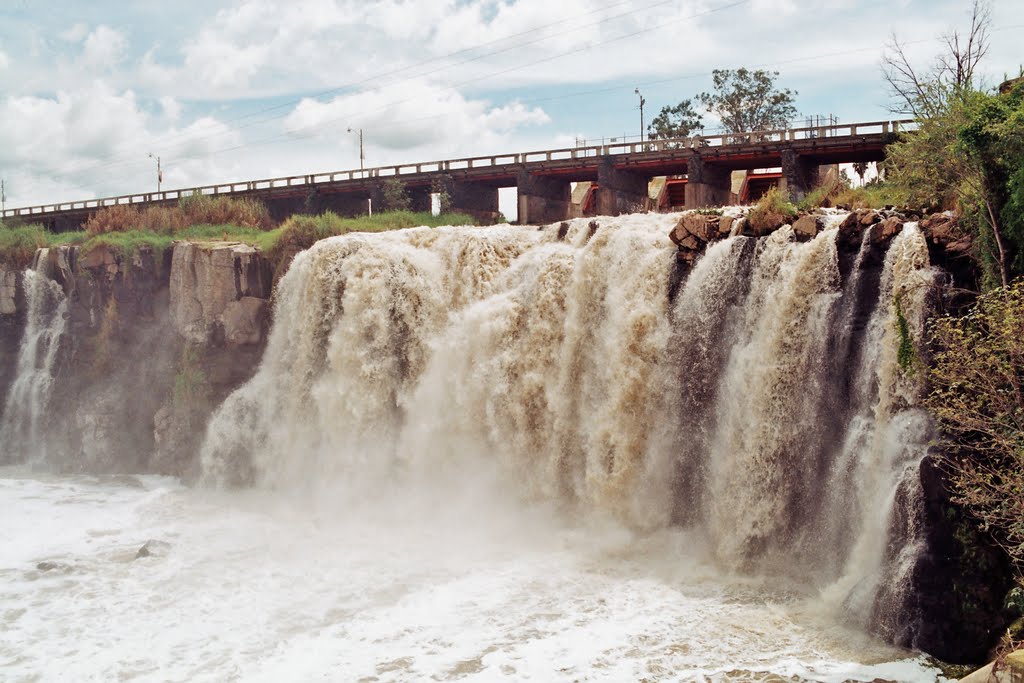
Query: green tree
[
  {"x": 991, "y": 143},
  {"x": 677, "y": 121},
  {"x": 967, "y": 151},
  {"x": 743, "y": 100},
  {"x": 395, "y": 196},
  {"x": 746, "y": 101}
]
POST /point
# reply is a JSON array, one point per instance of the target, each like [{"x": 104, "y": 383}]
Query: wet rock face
[
  {"x": 12, "y": 325},
  {"x": 141, "y": 364},
  {"x": 956, "y": 598},
  {"x": 207, "y": 282},
  {"x": 8, "y": 291}
]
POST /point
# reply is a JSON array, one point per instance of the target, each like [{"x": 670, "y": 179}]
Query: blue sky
[{"x": 228, "y": 90}]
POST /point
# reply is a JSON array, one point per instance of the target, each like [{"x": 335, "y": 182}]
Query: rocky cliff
[{"x": 152, "y": 341}]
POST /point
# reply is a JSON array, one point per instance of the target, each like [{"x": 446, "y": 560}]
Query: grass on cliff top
[
  {"x": 300, "y": 232},
  {"x": 771, "y": 210},
  {"x": 18, "y": 245},
  {"x": 877, "y": 194}
]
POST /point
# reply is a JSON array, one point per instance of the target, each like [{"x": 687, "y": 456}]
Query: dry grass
[{"x": 169, "y": 220}]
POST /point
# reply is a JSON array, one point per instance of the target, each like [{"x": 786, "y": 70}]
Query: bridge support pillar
[
  {"x": 706, "y": 184},
  {"x": 542, "y": 199},
  {"x": 476, "y": 199},
  {"x": 799, "y": 175},
  {"x": 619, "y": 191}
]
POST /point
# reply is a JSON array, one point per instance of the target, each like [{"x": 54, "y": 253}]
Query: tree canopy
[{"x": 743, "y": 100}]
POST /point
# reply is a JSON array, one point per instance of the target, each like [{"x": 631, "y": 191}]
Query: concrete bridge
[{"x": 621, "y": 173}]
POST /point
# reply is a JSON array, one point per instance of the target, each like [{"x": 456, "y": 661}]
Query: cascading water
[
  {"x": 505, "y": 453},
  {"x": 750, "y": 409},
  {"x": 25, "y": 408}
]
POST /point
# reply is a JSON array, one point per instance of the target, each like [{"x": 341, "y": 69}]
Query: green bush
[
  {"x": 771, "y": 211},
  {"x": 977, "y": 375},
  {"x": 18, "y": 245}
]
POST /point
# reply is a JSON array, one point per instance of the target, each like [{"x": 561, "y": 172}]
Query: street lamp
[
  {"x": 159, "y": 171},
  {"x": 642, "y": 103},
  {"x": 361, "y": 155}
]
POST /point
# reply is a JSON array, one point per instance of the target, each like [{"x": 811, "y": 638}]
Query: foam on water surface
[{"x": 254, "y": 588}]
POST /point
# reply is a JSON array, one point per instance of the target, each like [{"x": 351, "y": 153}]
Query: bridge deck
[{"x": 818, "y": 144}]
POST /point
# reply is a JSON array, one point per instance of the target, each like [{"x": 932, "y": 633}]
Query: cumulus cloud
[
  {"x": 415, "y": 115},
  {"x": 95, "y": 142},
  {"x": 74, "y": 34},
  {"x": 104, "y": 47}
]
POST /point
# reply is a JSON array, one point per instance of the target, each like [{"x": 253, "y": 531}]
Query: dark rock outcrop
[{"x": 957, "y": 582}]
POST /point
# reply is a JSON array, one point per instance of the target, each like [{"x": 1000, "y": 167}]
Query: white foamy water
[{"x": 253, "y": 586}]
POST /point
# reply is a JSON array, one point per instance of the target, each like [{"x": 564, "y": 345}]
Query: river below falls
[{"x": 400, "y": 586}]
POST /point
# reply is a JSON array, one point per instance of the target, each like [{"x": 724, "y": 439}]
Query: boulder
[
  {"x": 765, "y": 223},
  {"x": 703, "y": 227},
  {"x": 690, "y": 243},
  {"x": 725, "y": 224},
  {"x": 807, "y": 226},
  {"x": 152, "y": 548},
  {"x": 1010, "y": 670},
  {"x": 889, "y": 228},
  {"x": 868, "y": 217}
]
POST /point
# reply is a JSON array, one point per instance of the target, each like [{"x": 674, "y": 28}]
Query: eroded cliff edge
[{"x": 150, "y": 343}]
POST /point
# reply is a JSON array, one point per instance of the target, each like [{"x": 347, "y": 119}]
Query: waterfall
[
  {"x": 25, "y": 409},
  {"x": 763, "y": 406}
]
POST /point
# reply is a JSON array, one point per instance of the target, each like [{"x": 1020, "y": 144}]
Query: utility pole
[
  {"x": 159, "y": 172},
  {"x": 3, "y": 197},
  {"x": 642, "y": 103},
  {"x": 362, "y": 156}
]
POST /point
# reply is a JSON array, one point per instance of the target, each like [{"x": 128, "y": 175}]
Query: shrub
[
  {"x": 977, "y": 376},
  {"x": 822, "y": 196},
  {"x": 195, "y": 209},
  {"x": 395, "y": 196},
  {"x": 18, "y": 245},
  {"x": 771, "y": 211}
]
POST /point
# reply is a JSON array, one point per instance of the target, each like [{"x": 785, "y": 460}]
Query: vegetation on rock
[
  {"x": 18, "y": 245},
  {"x": 771, "y": 211},
  {"x": 977, "y": 376},
  {"x": 195, "y": 209}
]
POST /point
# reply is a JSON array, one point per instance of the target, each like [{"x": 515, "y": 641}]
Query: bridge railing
[{"x": 497, "y": 162}]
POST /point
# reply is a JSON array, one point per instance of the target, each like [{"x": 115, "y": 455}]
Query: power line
[
  {"x": 310, "y": 130},
  {"x": 299, "y": 132},
  {"x": 519, "y": 45}
]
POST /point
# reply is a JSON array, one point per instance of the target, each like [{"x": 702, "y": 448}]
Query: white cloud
[
  {"x": 75, "y": 34},
  {"x": 5, "y": 61},
  {"x": 171, "y": 108},
  {"x": 104, "y": 47},
  {"x": 413, "y": 116},
  {"x": 95, "y": 142}
]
